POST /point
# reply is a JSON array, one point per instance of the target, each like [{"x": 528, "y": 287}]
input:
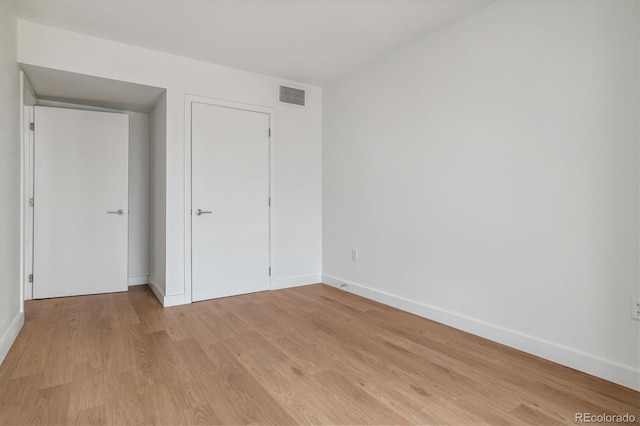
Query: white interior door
[
  {"x": 81, "y": 202},
  {"x": 230, "y": 201}
]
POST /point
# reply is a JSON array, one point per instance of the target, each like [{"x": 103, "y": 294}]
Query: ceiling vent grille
[{"x": 291, "y": 95}]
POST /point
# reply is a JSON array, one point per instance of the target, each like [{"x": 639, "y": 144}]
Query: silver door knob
[
  {"x": 199, "y": 212},
  {"x": 119, "y": 212}
]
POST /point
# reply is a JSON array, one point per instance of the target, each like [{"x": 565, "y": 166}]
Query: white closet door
[
  {"x": 81, "y": 202},
  {"x": 230, "y": 201}
]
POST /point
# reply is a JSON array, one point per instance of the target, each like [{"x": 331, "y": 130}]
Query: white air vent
[{"x": 291, "y": 95}]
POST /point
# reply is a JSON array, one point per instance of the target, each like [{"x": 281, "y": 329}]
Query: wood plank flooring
[{"x": 306, "y": 355}]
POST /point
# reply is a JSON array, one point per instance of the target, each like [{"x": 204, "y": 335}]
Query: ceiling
[
  {"x": 311, "y": 41},
  {"x": 62, "y": 86}
]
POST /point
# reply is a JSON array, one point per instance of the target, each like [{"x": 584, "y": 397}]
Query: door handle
[
  {"x": 199, "y": 212},
  {"x": 118, "y": 212}
]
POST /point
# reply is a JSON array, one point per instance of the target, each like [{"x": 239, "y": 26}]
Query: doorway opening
[{"x": 145, "y": 107}]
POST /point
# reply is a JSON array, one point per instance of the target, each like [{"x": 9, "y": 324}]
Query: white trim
[
  {"x": 24, "y": 204},
  {"x": 27, "y": 101},
  {"x": 138, "y": 280},
  {"x": 188, "y": 101},
  {"x": 606, "y": 369},
  {"x": 157, "y": 291},
  {"x": 167, "y": 301},
  {"x": 295, "y": 281},
  {"x": 10, "y": 336}
]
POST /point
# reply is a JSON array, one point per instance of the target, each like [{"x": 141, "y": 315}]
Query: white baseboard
[
  {"x": 10, "y": 335},
  {"x": 295, "y": 281},
  {"x": 138, "y": 280},
  {"x": 157, "y": 291},
  {"x": 167, "y": 301},
  {"x": 609, "y": 370}
]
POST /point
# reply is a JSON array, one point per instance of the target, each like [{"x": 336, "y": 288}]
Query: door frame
[
  {"x": 116, "y": 128},
  {"x": 28, "y": 101},
  {"x": 188, "y": 102}
]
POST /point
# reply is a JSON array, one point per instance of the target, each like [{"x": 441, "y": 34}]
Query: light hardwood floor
[{"x": 305, "y": 355}]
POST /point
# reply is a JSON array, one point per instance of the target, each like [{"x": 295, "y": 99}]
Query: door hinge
[
  {"x": 30, "y": 202},
  {"x": 32, "y": 126},
  {"x": 269, "y": 201},
  {"x": 269, "y": 132},
  {"x": 30, "y": 278},
  {"x": 269, "y": 270}
]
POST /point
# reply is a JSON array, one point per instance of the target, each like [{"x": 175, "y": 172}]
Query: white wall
[
  {"x": 157, "y": 185},
  {"x": 11, "y": 317},
  {"x": 298, "y": 195},
  {"x": 297, "y": 255},
  {"x": 488, "y": 175},
  {"x": 139, "y": 154}
]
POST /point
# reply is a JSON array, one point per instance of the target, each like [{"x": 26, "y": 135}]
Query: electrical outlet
[
  {"x": 354, "y": 254},
  {"x": 635, "y": 308}
]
